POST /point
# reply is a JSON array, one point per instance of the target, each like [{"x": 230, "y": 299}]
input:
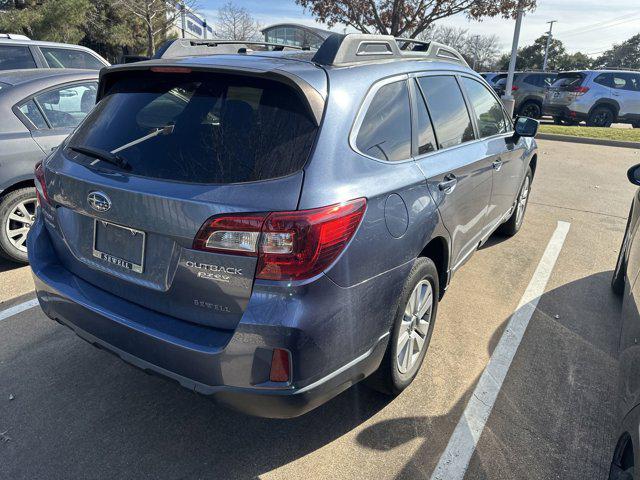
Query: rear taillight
[
  {"x": 580, "y": 90},
  {"x": 514, "y": 88},
  {"x": 41, "y": 185},
  {"x": 290, "y": 245}
]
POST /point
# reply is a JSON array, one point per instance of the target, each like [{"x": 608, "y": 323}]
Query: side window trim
[
  {"x": 470, "y": 110},
  {"x": 418, "y": 96},
  {"x": 38, "y": 56},
  {"x": 26, "y": 120},
  {"x": 362, "y": 111}
]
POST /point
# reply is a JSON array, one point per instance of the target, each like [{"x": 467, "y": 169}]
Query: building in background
[
  {"x": 295, "y": 34},
  {"x": 192, "y": 24}
]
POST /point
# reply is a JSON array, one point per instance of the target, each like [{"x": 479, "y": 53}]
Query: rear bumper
[
  {"x": 216, "y": 362},
  {"x": 563, "y": 112}
]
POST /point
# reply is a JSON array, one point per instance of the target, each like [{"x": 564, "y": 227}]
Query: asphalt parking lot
[{"x": 68, "y": 410}]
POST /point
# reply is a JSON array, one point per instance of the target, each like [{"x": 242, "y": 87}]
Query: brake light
[
  {"x": 290, "y": 245},
  {"x": 580, "y": 90},
  {"x": 170, "y": 70},
  {"x": 41, "y": 185},
  {"x": 514, "y": 88}
]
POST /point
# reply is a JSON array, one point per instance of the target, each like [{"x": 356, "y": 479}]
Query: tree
[
  {"x": 455, "y": 37},
  {"x": 623, "y": 55},
  {"x": 157, "y": 16},
  {"x": 236, "y": 23},
  {"x": 481, "y": 50},
  {"x": 531, "y": 57},
  {"x": 406, "y": 18}
]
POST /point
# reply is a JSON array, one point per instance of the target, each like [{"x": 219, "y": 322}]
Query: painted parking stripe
[
  {"x": 21, "y": 307},
  {"x": 455, "y": 459}
]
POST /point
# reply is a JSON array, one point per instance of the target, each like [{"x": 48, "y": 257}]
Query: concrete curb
[{"x": 589, "y": 141}]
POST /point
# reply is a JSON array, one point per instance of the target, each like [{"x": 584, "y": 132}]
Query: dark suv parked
[
  {"x": 528, "y": 91},
  {"x": 270, "y": 228}
]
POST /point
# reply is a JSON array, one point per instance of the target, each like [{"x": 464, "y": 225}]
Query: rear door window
[
  {"x": 214, "y": 128},
  {"x": 488, "y": 110},
  {"x": 65, "y": 107},
  {"x": 32, "y": 112},
  {"x": 15, "y": 57},
  {"x": 566, "y": 81},
  {"x": 426, "y": 135},
  {"x": 70, "y": 58},
  {"x": 385, "y": 132},
  {"x": 448, "y": 110}
]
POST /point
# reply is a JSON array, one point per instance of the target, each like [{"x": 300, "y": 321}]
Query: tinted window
[
  {"x": 426, "y": 136},
  {"x": 533, "y": 80},
  {"x": 68, "y": 105},
  {"x": 448, "y": 111},
  {"x": 31, "y": 111},
  {"x": 385, "y": 132},
  {"x": 488, "y": 110},
  {"x": 225, "y": 128},
  {"x": 604, "y": 79},
  {"x": 16, "y": 56},
  {"x": 568, "y": 80},
  {"x": 69, "y": 58}
]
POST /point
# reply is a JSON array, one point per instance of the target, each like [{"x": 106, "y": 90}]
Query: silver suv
[
  {"x": 19, "y": 52},
  {"x": 598, "y": 97}
]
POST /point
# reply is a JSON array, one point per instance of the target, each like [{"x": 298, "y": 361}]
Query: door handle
[
  {"x": 448, "y": 184},
  {"x": 497, "y": 165}
]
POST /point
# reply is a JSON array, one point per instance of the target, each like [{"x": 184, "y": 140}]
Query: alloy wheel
[
  {"x": 19, "y": 222},
  {"x": 415, "y": 326},
  {"x": 522, "y": 200}
]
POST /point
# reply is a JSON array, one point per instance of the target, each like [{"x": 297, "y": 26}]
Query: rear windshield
[
  {"x": 199, "y": 128},
  {"x": 567, "y": 80}
]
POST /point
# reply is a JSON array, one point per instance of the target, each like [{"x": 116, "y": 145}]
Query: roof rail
[
  {"x": 352, "y": 48},
  {"x": 14, "y": 36},
  {"x": 189, "y": 47}
]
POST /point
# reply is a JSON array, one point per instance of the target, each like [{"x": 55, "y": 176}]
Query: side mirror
[
  {"x": 633, "y": 174},
  {"x": 526, "y": 127}
]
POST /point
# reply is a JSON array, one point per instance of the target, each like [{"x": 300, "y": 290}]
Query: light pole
[
  {"x": 546, "y": 50},
  {"x": 507, "y": 98}
]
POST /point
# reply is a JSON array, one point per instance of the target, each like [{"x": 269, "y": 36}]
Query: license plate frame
[{"x": 114, "y": 259}]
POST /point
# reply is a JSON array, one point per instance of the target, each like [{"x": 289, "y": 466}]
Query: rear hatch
[
  {"x": 565, "y": 89},
  {"x": 161, "y": 153}
]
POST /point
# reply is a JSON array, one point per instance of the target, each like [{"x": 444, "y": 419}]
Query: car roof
[
  {"x": 41, "y": 43},
  {"x": 44, "y": 75}
]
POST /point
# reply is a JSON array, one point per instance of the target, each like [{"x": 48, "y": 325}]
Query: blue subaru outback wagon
[{"x": 270, "y": 228}]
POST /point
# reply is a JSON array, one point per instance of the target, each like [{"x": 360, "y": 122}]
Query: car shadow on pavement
[
  {"x": 6, "y": 265},
  {"x": 555, "y": 415},
  {"x": 79, "y": 412}
]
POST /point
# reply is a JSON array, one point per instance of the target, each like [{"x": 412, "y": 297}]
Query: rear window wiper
[
  {"x": 109, "y": 157},
  {"x": 166, "y": 130}
]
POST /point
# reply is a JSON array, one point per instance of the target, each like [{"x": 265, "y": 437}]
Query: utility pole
[
  {"x": 507, "y": 99},
  {"x": 546, "y": 50},
  {"x": 183, "y": 18}
]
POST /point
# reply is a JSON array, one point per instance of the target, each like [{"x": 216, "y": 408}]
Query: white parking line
[
  {"x": 455, "y": 459},
  {"x": 21, "y": 307}
]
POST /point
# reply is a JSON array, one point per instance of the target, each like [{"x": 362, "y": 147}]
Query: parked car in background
[
  {"x": 214, "y": 218},
  {"x": 528, "y": 91},
  {"x": 625, "y": 284},
  {"x": 597, "y": 97},
  {"x": 19, "y": 52},
  {"x": 493, "y": 77},
  {"x": 39, "y": 108}
]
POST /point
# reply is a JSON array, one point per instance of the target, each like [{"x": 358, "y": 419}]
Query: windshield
[
  {"x": 217, "y": 128},
  {"x": 572, "y": 79}
]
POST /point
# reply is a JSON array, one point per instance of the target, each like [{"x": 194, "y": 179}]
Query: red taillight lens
[
  {"x": 514, "y": 88},
  {"x": 41, "y": 185},
  {"x": 299, "y": 245},
  {"x": 280, "y": 366},
  {"x": 170, "y": 69},
  {"x": 290, "y": 245},
  {"x": 580, "y": 90}
]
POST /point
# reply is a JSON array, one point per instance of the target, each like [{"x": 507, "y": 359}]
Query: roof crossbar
[
  {"x": 353, "y": 48},
  {"x": 190, "y": 47}
]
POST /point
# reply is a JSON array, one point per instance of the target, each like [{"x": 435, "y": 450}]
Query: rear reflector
[
  {"x": 280, "y": 366},
  {"x": 41, "y": 185},
  {"x": 290, "y": 245}
]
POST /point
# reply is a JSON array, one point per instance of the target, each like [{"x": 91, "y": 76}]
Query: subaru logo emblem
[{"x": 99, "y": 201}]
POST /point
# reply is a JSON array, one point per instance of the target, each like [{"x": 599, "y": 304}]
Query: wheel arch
[
  {"x": 24, "y": 183},
  {"x": 533, "y": 164},
  {"x": 613, "y": 105},
  {"x": 438, "y": 251}
]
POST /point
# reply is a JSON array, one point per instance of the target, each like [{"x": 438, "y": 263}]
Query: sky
[{"x": 589, "y": 26}]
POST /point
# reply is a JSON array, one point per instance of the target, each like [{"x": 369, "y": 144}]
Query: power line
[
  {"x": 589, "y": 30},
  {"x": 579, "y": 29}
]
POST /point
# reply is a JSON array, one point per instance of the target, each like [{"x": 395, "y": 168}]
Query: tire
[
  {"x": 636, "y": 125},
  {"x": 399, "y": 367},
  {"x": 601, "y": 117},
  {"x": 530, "y": 109},
  {"x": 557, "y": 120},
  {"x": 620, "y": 272},
  {"x": 513, "y": 225},
  {"x": 13, "y": 247}
]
